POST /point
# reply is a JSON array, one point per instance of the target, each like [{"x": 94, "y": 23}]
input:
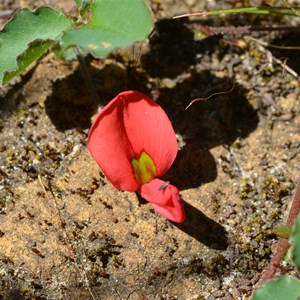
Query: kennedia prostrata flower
[{"x": 133, "y": 142}]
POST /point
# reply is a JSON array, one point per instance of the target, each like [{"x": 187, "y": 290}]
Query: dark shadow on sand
[{"x": 203, "y": 229}]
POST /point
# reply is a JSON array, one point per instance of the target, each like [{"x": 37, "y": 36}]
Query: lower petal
[
  {"x": 165, "y": 199},
  {"x": 173, "y": 213}
]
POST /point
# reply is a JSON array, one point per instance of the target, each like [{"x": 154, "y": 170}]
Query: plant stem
[
  {"x": 281, "y": 248},
  {"x": 86, "y": 75},
  {"x": 283, "y": 244},
  {"x": 295, "y": 208}
]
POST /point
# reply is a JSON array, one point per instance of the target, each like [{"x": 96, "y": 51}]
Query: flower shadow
[
  {"x": 200, "y": 227},
  {"x": 203, "y": 229},
  {"x": 220, "y": 120},
  {"x": 193, "y": 166}
]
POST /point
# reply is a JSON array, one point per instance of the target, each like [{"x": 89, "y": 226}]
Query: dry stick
[
  {"x": 66, "y": 236},
  {"x": 287, "y": 68},
  {"x": 212, "y": 95},
  {"x": 282, "y": 244},
  {"x": 282, "y": 64}
]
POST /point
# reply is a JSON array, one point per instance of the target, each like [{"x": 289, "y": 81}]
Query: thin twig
[
  {"x": 214, "y": 94},
  {"x": 197, "y": 14},
  {"x": 281, "y": 63},
  {"x": 287, "y": 68}
]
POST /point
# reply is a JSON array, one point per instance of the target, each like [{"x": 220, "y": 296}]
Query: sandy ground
[{"x": 67, "y": 233}]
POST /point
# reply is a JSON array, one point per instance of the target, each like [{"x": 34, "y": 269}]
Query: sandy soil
[{"x": 67, "y": 233}]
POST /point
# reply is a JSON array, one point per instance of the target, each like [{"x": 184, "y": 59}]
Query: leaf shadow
[
  {"x": 13, "y": 97},
  {"x": 170, "y": 54},
  {"x": 72, "y": 104}
]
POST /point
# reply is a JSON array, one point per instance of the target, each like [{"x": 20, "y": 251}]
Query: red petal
[
  {"x": 149, "y": 129},
  {"x": 109, "y": 145},
  {"x": 165, "y": 199},
  {"x": 130, "y": 124}
]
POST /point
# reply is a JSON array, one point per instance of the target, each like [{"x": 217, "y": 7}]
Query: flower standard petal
[
  {"x": 149, "y": 130},
  {"x": 165, "y": 199},
  {"x": 110, "y": 147}
]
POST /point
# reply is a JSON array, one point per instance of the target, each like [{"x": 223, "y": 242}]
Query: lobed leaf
[
  {"x": 112, "y": 24},
  {"x": 284, "y": 288},
  {"x": 27, "y": 36}
]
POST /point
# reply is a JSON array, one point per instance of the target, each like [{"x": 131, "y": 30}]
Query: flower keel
[
  {"x": 165, "y": 199},
  {"x": 144, "y": 168}
]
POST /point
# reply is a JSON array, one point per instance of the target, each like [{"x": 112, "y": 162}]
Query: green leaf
[
  {"x": 26, "y": 37},
  {"x": 295, "y": 241},
  {"x": 283, "y": 231},
  {"x": 285, "y": 288},
  {"x": 35, "y": 50},
  {"x": 112, "y": 24},
  {"x": 68, "y": 54}
]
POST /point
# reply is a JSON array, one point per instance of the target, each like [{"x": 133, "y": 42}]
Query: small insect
[{"x": 164, "y": 185}]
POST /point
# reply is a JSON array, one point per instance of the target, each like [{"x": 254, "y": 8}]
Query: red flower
[{"x": 133, "y": 142}]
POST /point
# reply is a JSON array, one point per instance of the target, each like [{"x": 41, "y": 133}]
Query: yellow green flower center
[{"x": 144, "y": 168}]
